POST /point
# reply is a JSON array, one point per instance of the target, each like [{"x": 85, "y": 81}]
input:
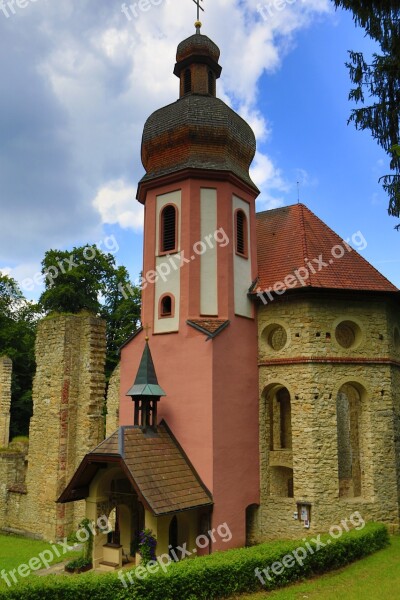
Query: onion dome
[{"x": 198, "y": 131}]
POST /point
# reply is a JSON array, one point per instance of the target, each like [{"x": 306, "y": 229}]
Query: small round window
[
  {"x": 276, "y": 336},
  {"x": 347, "y": 334}
]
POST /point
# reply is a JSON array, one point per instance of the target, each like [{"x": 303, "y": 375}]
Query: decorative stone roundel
[
  {"x": 347, "y": 334},
  {"x": 277, "y": 337}
]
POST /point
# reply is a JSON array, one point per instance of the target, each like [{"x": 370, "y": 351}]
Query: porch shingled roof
[{"x": 156, "y": 465}]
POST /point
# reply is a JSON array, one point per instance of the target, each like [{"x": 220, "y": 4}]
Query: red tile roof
[
  {"x": 292, "y": 237},
  {"x": 210, "y": 326}
]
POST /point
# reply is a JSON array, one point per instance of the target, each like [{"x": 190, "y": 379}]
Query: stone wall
[
  {"x": 12, "y": 483},
  {"x": 5, "y": 399},
  {"x": 302, "y": 349},
  {"x": 113, "y": 393},
  {"x": 67, "y": 421}
]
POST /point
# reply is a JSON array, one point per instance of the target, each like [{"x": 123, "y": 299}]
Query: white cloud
[
  {"x": 93, "y": 79},
  {"x": 117, "y": 205},
  {"x": 269, "y": 180},
  {"x": 304, "y": 178}
]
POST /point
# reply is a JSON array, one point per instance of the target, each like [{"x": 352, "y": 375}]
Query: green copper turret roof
[{"x": 146, "y": 383}]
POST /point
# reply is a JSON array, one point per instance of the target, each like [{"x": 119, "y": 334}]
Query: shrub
[
  {"x": 211, "y": 577},
  {"x": 147, "y": 546},
  {"x": 78, "y": 564}
]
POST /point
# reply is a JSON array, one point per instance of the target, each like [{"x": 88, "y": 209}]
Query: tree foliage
[
  {"x": 379, "y": 81},
  {"x": 121, "y": 310},
  {"x": 75, "y": 280},
  {"x": 18, "y": 320},
  {"x": 86, "y": 278}
]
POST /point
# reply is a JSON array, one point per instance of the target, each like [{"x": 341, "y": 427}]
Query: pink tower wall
[{"x": 211, "y": 386}]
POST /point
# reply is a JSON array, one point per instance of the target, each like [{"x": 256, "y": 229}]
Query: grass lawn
[
  {"x": 15, "y": 551},
  {"x": 376, "y": 577}
]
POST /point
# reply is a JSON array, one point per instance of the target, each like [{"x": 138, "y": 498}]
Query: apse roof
[{"x": 293, "y": 238}]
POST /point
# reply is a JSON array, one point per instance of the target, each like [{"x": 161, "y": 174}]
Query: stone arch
[
  {"x": 278, "y": 431},
  {"x": 352, "y": 422},
  {"x": 279, "y": 408}
]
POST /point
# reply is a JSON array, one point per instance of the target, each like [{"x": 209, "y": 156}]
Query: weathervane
[{"x": 199, "y": 8}]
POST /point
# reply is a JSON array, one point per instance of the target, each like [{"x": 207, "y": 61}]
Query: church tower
[{"x": 199, "y": 262}]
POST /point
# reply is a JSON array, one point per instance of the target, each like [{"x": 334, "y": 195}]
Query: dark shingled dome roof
[
  {"x": 197, "y": 131},
  {"x": 197, "y": 44}
]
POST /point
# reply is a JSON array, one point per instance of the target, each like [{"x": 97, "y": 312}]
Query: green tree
[
  {"x": 86, "y": 278},
  {"x": 75, "y": 280},
  {"x": 18, "y": 320},
  {"x": 121, "y": 310},
  {"x": 379, "y": 80}
]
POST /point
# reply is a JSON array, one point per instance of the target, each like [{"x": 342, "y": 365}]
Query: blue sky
[{"x": 78, "y": 79}]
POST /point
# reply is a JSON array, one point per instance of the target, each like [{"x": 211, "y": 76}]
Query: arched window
[
  {"x": 168, "y": 237},
  {"x": 166, "y": 306},
  {"x": 283, "y": 397},
  {"x": 349, "y": 436},
  {"x": 211, "y": 83},
  {"x": 280, "y": 420},
  {"x": 187, "y": 82},
  {"x": 241, "y": 233}
]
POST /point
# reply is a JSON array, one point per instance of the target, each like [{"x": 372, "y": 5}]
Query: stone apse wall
[
  {"x": 335, "y": 444},
  {"x": 67, "y": 422}
]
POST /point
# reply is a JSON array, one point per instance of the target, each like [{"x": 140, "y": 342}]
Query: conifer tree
[{"x": 377, "y": 84}]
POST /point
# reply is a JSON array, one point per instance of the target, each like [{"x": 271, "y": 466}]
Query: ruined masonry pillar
[
  {"x": 67, "y": 421},
  {"x": 5, "y": 400}
]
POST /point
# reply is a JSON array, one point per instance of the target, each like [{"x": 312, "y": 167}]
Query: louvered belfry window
[
  {"x": 211, "y": 83},
  {"x": 168, "y": 229},
  {"x": 187, "y": 82},
  {"x": 241, "y": 233}
]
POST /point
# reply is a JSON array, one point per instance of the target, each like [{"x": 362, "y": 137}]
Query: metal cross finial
[
  {"x": 147, "y": 328},
  {"x": 199, "y": 8}
]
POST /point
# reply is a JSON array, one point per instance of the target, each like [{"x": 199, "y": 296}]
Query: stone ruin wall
[{"x": 67, "y": 422}]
